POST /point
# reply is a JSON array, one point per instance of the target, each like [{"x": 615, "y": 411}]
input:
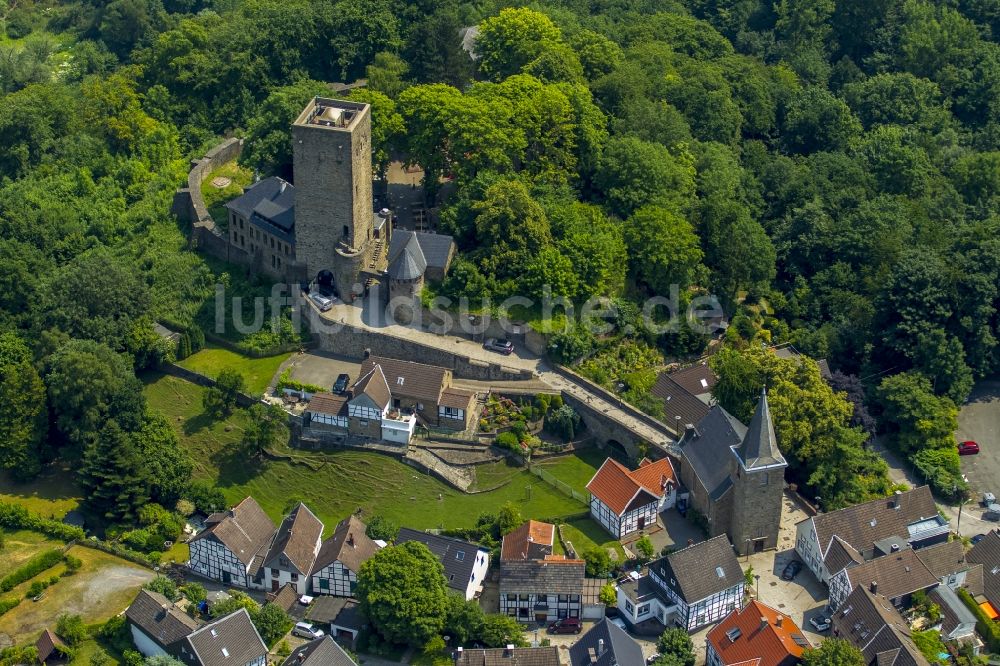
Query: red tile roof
[
  {"x": 743, "y": 636},
  {"x": 532, "y": 540},
  {"x": 616, "y": 486}
]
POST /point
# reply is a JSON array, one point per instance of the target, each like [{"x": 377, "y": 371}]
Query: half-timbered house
[
  {"x": 232, "y": 546},
  {"x": 293, "y": 551},
  {"x": 625, "y": 501},
  {"x": 542, "y": 590},
  {"x": 335, "y": 571}
]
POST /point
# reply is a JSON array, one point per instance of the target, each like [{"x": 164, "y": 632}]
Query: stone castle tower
[
  {"x": 334, "y": 215},
  {"x": 758, "y": 485}
]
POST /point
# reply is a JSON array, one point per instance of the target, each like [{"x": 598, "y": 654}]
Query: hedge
[
  {"x": 31, "y": 568},
  {"x": 285, "y": 381},
  {"x": 16, "y": 517},
  {"x": 986, "y": 627},
  {"x": 8, "y": 604}
]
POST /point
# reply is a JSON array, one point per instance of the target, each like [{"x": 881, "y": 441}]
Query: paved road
[
  {"x": 521, "y": 359},
  {"x": 979, "y": 420}
]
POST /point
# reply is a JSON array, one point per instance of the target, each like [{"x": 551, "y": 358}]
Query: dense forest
[{"x": 830, "y": 169}]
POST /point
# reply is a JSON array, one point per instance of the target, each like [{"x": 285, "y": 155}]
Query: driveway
[
  {"x": 979, "y": 420},
  {"x": 800, "y": 599},
  {"x": 320, "y": 368}
]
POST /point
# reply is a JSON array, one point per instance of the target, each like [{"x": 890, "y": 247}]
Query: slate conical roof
[
  {"x": 759, "y": 447},
  {"x": 410, "y": 263}
]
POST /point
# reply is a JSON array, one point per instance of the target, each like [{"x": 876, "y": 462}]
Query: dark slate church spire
[{"x": 759, "y": 447}]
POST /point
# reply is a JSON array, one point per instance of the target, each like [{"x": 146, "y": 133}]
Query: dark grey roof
[
  {"x": 159, "y": 619},
  {"x": 458, "y": 557},
  {"x": 697, "y": 379},
  {"x": 944, "y": 559},
  {"x": 840, "y": 555},
  {"x": 709, "y": 448},
  {"x": 701, "y": 570},
  {"x": 551, "y": 576},
  {"x": 790, "y": 352},
  {"x": 229, "y": 641},
  {"x": 678, "y": 402},
  {"x": 436, "y": 248},
  {"x": 618, "y": 647},
  {"x": 340, "y": 610},
  {"x": 871, "y": 624},
  {"x": 987, "y": 553},
  {"x": 350, "y": 545},
  {"x": 409, "y": 263},
  {"x": 270, "y": 205},
  {"x": 538, "y": 656},
  {"x": 759, "y": 447},
  {"x": 320, "y": 652}
]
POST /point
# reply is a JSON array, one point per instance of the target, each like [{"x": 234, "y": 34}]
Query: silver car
[{"x": 321, "y": 301}]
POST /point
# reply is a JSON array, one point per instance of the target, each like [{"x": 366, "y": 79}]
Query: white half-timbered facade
[
  {"x": 335, "y": 571},
  {"x": 232, "y": 547},
  {"x": 542, "y": 590},
  {"x": 624, "y": 501},
  {"x": 690, "y": 588}
]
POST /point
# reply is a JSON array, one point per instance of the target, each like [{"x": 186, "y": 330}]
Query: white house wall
[
  {"x": 605, "y": 517},
  {"x": 478, "y": 573},
  {"x": 398, "y": 431},
  {"x": 340, "y": 581},
  {"x": 646, "y": 515},
  {"x": 144, "y": 644},
  {"x": 283, "y": 577},
  {"x": 808, "y": 548}
]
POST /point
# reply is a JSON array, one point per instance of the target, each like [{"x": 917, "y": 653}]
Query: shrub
[
  {"x": 30, "y": 569},
  {"x": 206, "y": 497},
  {"x": 73, "y": 565},
  {"x": 164, "y": 586},
  {"x": 509, "y": 440},
  {"x": 195, "y": 592},
  {"x": 987, "y": 628},
  {"x": 598, "y": 562},
  {"x": 608, "y": 596},
  {"x": 8, "y": 603},
  {"x": 71, "y": 628},
  {"x": 36, "y": 588},
  {"x": 380, "y": 527}
]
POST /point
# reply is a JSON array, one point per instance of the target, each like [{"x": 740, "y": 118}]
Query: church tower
[
  {"x": 758, "y": 485},
  {"x": 334, "y": 216}
]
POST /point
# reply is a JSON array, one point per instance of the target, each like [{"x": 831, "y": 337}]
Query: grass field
[
  {"x": 576, "y": 469},
  {"x": 257, "y": 372},
  {"x": 216, "y": 198},
  {"x": 52, "y": 494},
  {"x": 335, "y": 484},
  {"x": 21, "y": 546},
  {"x": 585, "y": 533},
  {"x": 104, "y": 586}
]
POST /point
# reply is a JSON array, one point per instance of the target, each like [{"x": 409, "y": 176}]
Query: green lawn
[
  {"x": 492, "y": 475},
  {"x": 335, "y": 484},
  {"x": 576, "y": 469},
  {"x": 216, "y": 198},
  {"x": 52, "y": 494},
  {"x": 585, "y": 533},
  {"x": 21, "y": 546},
  {"x": 257, "y": 372},
  {"x": 103, "y": 587}
]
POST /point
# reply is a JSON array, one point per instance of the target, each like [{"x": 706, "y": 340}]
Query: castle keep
[{"x": 324, "y": 229}]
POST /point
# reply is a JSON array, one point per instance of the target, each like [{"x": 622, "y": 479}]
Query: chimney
[
  {"x": 874, "y": 587},
  {"x": 780, "y": 619},
  {"x": 592, "y": 654},
  {"x": 689, "y": 430},
  {"x": 508, "y": 651},
  {"x": 896, "y": 499},
  {"x": 367, "y": 353},
  {"x": 283, "y": 186},
  {"x": 600, "y": 647},
  {"x": 763, "y": 622},
  {"x": 458, "y": 654},
  {"x": 350, "y": 539},
  {"x": 894, "y": 547}
]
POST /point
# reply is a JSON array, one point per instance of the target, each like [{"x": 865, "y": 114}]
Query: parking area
[
  {"x": 800, "y": 599},
  {"x": 979, "y": 420},
  {"x": 321, "y": 368}
]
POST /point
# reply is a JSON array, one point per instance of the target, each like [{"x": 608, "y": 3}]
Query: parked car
[
  {"x": 968, "y": 448},
  {"x": 306, "y": 630},
  {"x": 976, "y": 539},
  {"x": 569, "y": 625},
  {"x": 620, "y": 623},
  {"x": 820, "y": 622},
  {"x": 989, "y": 498},
  {"x": 321, "y": 301},
  {"x": 992, "y": 512},
  {"x": 791, "y": 570},
  {"x": 499, "y": 345},
  {"x": 651, "y": 659},
  {"x": 339, "y": 386}
]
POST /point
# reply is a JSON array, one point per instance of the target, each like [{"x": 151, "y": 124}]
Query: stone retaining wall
[{"x": 242, "y": 399}]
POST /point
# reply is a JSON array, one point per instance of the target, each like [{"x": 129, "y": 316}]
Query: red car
[{"x": 967, "y": 448}]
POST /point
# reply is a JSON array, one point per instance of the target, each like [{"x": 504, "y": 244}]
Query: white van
[{"x": 321, "y": 301}]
